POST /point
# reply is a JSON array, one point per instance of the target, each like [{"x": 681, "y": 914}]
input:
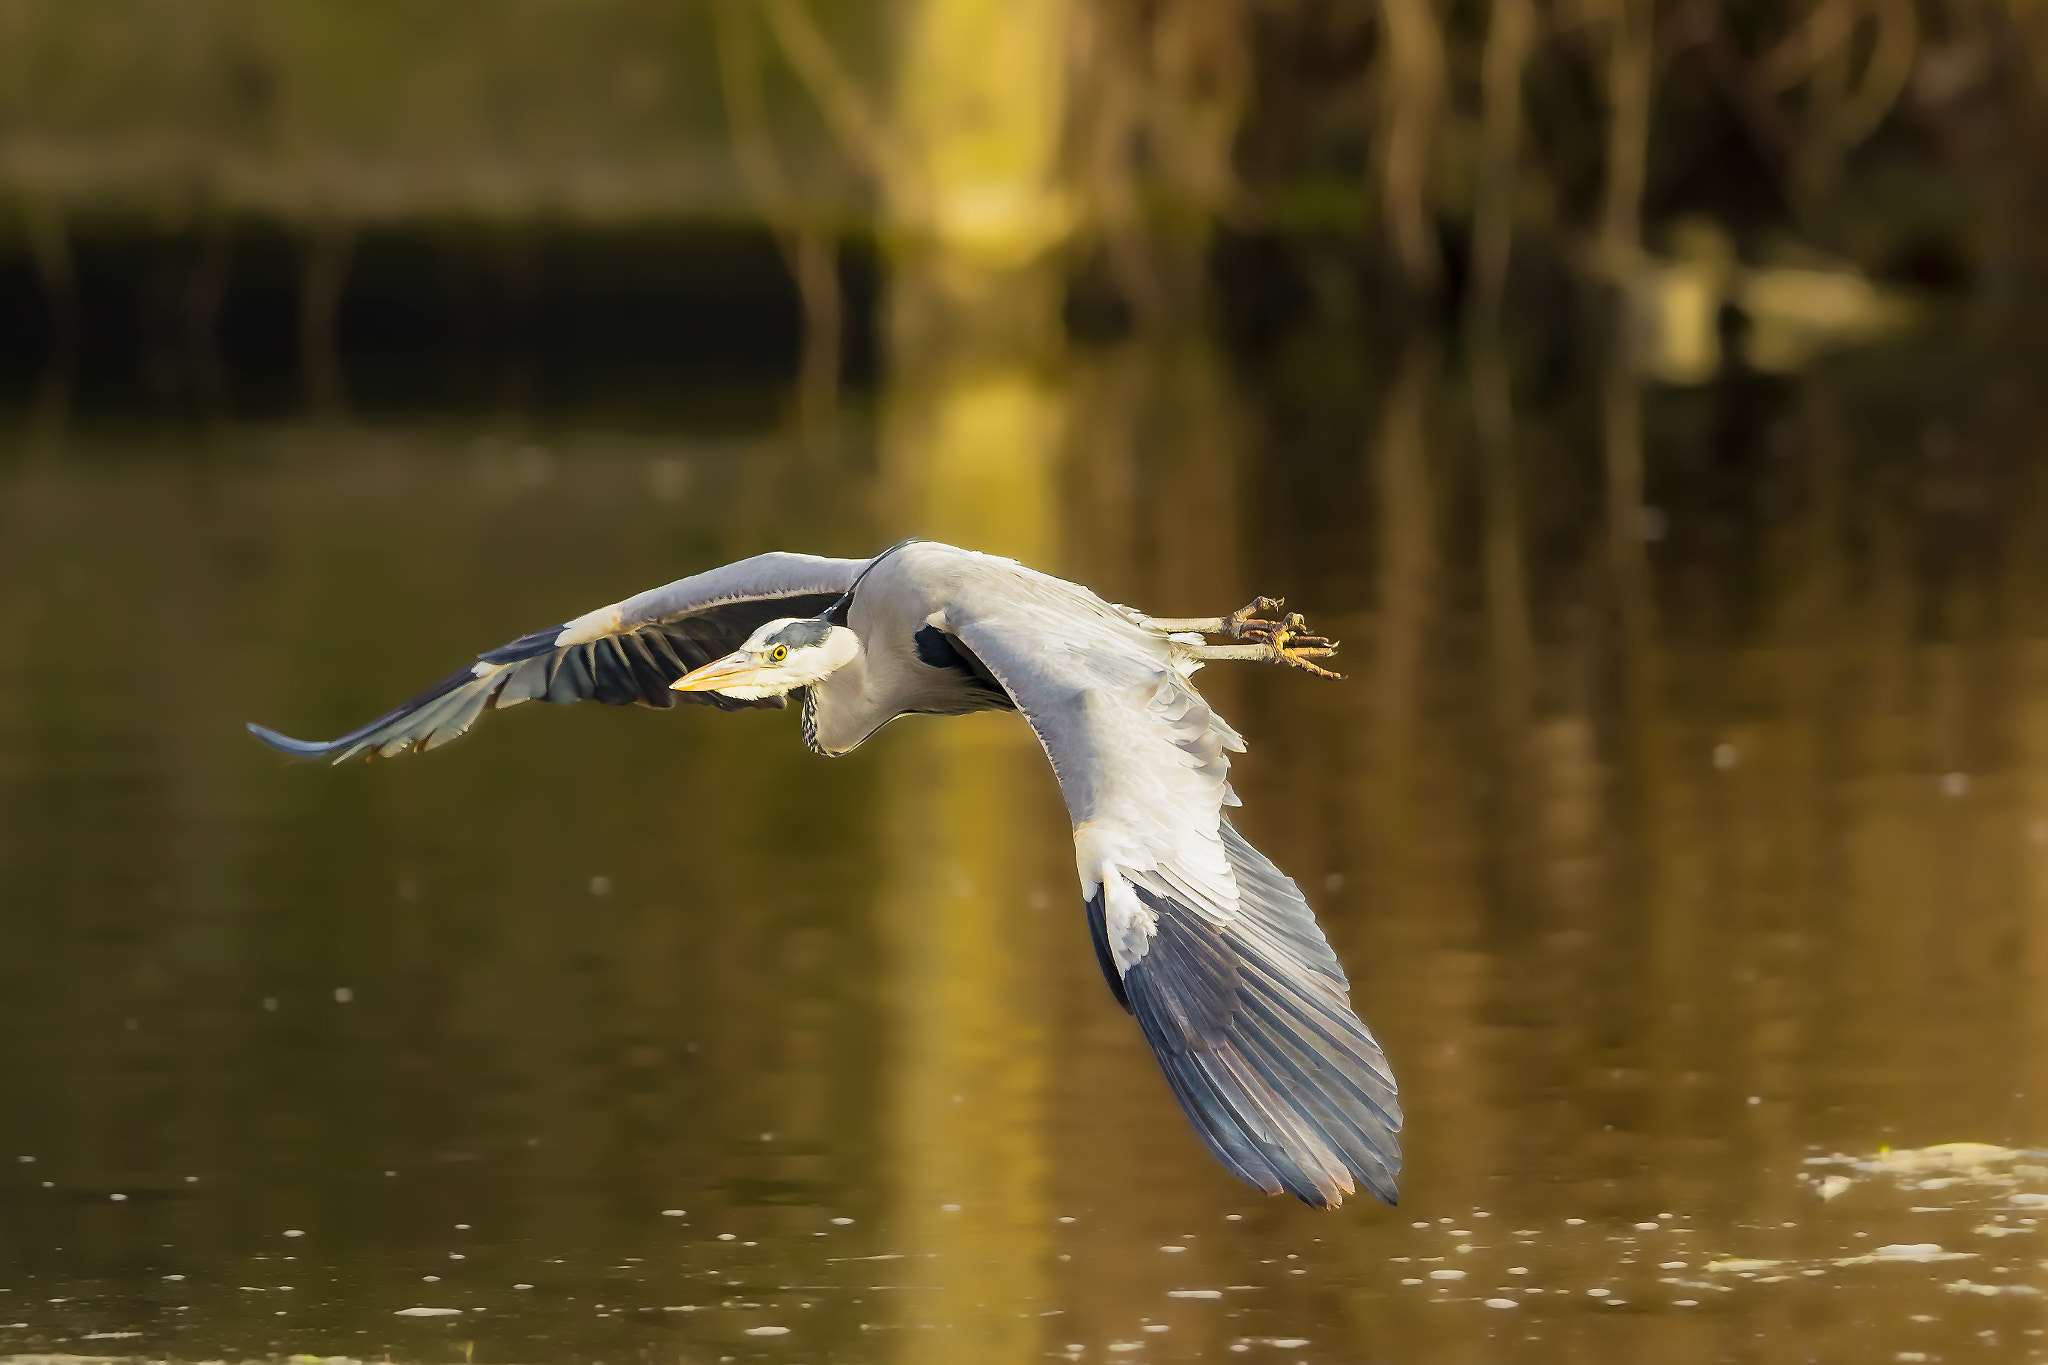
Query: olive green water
[{"x": 1683, "y": 823}]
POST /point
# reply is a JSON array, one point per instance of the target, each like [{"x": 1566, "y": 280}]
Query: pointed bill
[{"x": 734, "y": 670}]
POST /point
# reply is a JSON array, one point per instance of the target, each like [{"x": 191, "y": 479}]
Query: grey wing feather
[
  {"x": 1210, "y": 946},
  {"x": 1260, "y": 1043},
  {"x": 623, "y": 655}
]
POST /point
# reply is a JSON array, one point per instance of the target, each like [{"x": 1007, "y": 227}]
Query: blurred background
[{"x": 1647, "y": 393}]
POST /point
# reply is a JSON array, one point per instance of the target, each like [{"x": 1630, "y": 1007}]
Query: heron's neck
[{"x": 834, "y": 706}]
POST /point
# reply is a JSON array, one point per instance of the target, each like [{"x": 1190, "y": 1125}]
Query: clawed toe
[
  {"x": 1287, "y": 638},
  {"x": 1244, "y": 623}
]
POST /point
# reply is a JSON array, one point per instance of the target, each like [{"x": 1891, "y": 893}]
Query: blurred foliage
[{"x": 1904, "y": 135}]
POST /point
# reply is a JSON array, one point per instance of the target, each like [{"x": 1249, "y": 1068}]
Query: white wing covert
[
  {"x": 625, "y": 654},
  {"x": 1210, "y": 946}
]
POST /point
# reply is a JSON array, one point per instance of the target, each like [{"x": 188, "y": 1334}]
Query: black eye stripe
[{"x": 799, "y": 634}]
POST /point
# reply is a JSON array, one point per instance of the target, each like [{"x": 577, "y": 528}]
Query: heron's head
[{"x": 779, "y": 657}]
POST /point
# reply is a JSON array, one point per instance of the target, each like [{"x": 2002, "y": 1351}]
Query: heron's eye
[{"x": 778, "y": 654}]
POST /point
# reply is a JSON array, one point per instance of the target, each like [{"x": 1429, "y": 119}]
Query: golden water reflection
[
  {"x": 970, "y": 447},
  {"x": 1683, "y": 823}
]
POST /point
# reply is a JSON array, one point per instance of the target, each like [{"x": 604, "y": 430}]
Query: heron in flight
[{"x": 1210, "y": 946}]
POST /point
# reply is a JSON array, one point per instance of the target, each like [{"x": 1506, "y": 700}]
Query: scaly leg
[{"x": 1285, "y": 641}]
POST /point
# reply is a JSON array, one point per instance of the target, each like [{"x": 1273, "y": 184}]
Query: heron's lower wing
[
  {"x": 1214, "y": 951},
  {"x": 624, "y": 654},
  {"x": 1252, "y": 1024}
]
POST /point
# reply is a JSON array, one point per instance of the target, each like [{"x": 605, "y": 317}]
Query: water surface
[{"x": 1682, "y": 822}]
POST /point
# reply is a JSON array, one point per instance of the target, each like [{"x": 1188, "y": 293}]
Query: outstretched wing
[
  {"x": 624, "y": 654},
  {"x": 1211, "y": 947}
]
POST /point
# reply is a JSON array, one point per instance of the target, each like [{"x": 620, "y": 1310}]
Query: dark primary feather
[
  {"x": 1098, "y": 934},
  {"x": 1253, "y": 1025},
  {"x": 666, "y": 634}
]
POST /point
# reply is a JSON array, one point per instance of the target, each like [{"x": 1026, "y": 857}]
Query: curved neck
[{"x": 837, "y": 712}]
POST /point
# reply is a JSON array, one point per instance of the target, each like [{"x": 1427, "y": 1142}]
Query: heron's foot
[
  {"x": 1285, "y": 640},
  {"x": 1245, "y": 622}
]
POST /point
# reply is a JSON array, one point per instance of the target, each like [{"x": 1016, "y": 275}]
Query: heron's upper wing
[
  {"x": 626, "y": 653},
  {"x": 1211, "y": 947}
]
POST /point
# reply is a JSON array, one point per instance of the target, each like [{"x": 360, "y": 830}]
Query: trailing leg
[{"x": 1256, "y": 636}]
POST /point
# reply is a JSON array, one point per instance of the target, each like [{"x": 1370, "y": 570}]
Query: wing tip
[
  {"x": 297, "y": 748},
  {"x": 1287, "y": 1088},
  {"x": 1379, "y": 1185}
]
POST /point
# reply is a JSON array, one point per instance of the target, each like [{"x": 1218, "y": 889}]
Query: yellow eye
[{"x": 778, "y": 654}]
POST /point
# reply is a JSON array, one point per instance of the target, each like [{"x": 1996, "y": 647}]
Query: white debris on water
[
  {"x": 427, "y": 1313},
  {"x": 1914, "y": 1251},
  {"x": 1194, "y": 1293},
  {"x": 767, "y": 1331},
  {"x": 1952, "y": 1161},
  {"x": 1989, "y": 1290},
  {"x": 1447, "y": 1274},
  {"x": 1502, "y": 1303}
]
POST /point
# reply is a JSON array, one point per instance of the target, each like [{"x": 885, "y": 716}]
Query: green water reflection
[{"x": 1684, "y": 819}]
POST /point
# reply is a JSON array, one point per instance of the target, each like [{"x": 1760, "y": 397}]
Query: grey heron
[{"x": 1210, "y": 946}]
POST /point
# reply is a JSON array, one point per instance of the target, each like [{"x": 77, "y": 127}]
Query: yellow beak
[{"x": 734, "y": 670}]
